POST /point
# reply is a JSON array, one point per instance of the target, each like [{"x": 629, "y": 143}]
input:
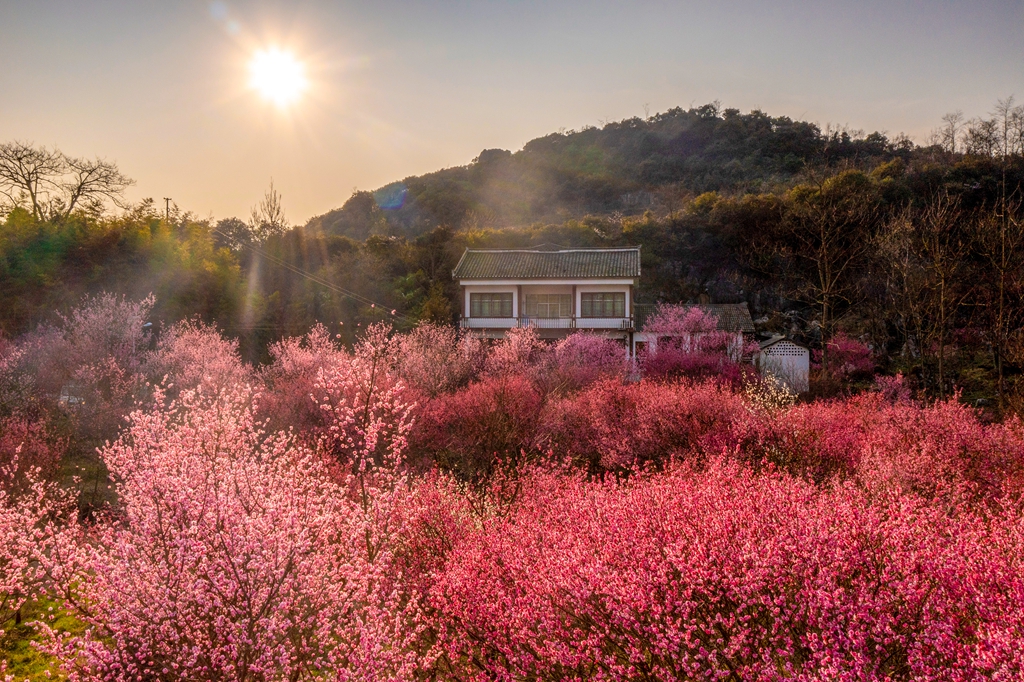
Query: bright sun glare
[{"x": 277, "y": 75}]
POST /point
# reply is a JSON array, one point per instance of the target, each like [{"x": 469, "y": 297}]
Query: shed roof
[
  {"x": 732, "y": 317},
  {"x": 547, "y": 263},
  {"x": 767, "y": 343}
]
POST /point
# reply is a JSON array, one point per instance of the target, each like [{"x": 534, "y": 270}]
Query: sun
[{"x": 277, "y": 75}]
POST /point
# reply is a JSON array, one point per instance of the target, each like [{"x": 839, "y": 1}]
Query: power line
[{"x": 313, "y": 278}]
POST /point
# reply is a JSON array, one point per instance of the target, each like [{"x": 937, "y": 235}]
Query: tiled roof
[
  {"x": 732, "y": 317},
  {"x": 620, "y": 263}
]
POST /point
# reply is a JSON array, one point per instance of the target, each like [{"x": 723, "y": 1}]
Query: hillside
[
  {"x": 623, "y": 167},
  {"x": 917, "y": 252}
]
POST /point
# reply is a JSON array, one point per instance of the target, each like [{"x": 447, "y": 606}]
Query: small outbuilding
[{"x": 786, "y": 360}]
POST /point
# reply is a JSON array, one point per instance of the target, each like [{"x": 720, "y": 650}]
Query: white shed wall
[{"x": 787, "y": 362}]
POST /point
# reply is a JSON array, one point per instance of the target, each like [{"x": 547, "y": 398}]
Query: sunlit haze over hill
[{"x": 206, "y": 102}]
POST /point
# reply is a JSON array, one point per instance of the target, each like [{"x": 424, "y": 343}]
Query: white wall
[{"x": 787, "y": 362}]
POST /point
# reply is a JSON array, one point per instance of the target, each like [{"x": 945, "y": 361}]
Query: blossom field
[{"x": 425, "y": 506}]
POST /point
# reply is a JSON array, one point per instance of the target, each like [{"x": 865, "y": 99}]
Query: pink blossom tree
[
  {"x": 27, "y": 445},
  {"x": 89, "y": 363},
  {"x": 233, "y": 554},
  {"x": 38, "y": 537},
  {"x": 433, "y": 359},
  {"x": 191, "y": 354},
  {"x": 582, "y": 358},
  {"x": 367, "y": 415},
  {"x": 17, "y": 386},
  {"x": 519, "y": 352},
  {"x": 291, "y": 396},
  {"x": 689, "y": 344}
]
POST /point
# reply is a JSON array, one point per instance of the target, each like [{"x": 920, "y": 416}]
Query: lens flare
[{"x": 277, "y": 75}]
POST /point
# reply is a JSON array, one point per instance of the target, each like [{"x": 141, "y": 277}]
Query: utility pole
[{"x": 167, "y": 208}]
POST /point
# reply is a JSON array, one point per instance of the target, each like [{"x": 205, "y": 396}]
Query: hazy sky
[{"x": 403, "y": 88}]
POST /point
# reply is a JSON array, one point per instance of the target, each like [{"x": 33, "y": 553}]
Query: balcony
[
  {"x": 548, "y": 322},
  {"x": 488, "y": 322},
  {"x": 624, "y": 324},
  {"x": 569, "y": 323}
]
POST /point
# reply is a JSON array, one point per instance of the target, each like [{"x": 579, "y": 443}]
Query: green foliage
[
  {"x": 24, "y": 661},
  {"x": 49, "y": 265}
]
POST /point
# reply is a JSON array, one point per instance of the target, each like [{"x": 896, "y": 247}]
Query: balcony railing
[
  {"x": 489, "y": 322},
  {"x": 594, "y": 323},
  {"x": 642, "y": 311},
  {"x": 548, "y": 322}
]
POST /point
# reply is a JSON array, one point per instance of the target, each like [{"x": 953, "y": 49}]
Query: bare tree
[
  {"x": 907, "y": 282},
  {"x": 947, "y": 135},
  {"x": 945, "y": 251},
  {"x": 982, "y": 137},
  {"x": 267, "y": 217},
  {"x": 88, "y": 183},
  {"x": 826, "y": 234},
  {"x": 27, "y": 174},
  {"x": 1009, "y": 124},
  {"x": 999, "y": 239},
  {"x": 53, "y": 185}
]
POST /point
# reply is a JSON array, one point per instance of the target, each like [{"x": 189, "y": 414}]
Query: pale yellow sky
[{"x": 404, "y": 88}]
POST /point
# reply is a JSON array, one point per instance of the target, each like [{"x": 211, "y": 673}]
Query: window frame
[
  {"x": 563, "y": 304},
  {"x": 612, "y": 307},
  {"x": 502, "y": 300}
]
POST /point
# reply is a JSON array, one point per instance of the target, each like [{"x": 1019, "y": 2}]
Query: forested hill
[
  {"x": 623, "y": 167},
  {"x": 915, "y": 252}
]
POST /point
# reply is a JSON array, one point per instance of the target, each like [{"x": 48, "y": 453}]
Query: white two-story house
[{"x": 553, "y": 289}]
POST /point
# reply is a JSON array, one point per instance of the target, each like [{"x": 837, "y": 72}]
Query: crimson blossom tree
[
  {"x": 611, "y": 426},
  {"x": 718, "y": 572}
]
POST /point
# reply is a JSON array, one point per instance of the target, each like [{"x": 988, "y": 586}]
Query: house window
[
  {"x": 490, "y": 305},
  {"x": 549, "y": 305},
  {"x": 603, "y": 304}
]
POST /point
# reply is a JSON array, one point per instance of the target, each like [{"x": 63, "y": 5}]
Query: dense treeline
[{"x": 914, "y": 251}]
